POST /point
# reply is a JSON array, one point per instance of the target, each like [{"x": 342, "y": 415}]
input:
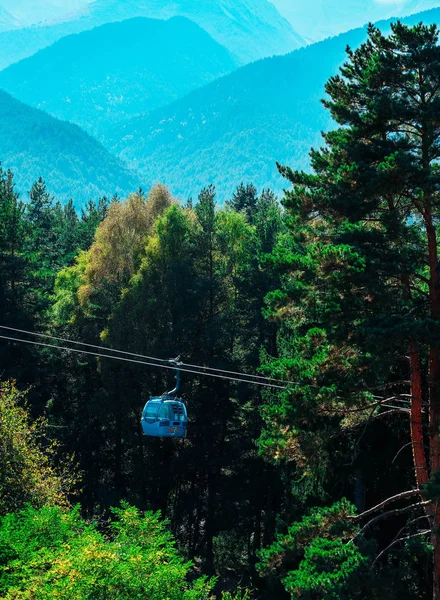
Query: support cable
[
  {"x": 103, "y": 348},
  {"x": 140, "y": 362}
]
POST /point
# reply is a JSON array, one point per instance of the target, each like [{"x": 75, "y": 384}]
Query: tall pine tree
[{"x": 364, "y": 290}]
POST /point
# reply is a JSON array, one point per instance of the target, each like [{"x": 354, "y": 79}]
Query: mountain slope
[
  {"x": 33, "y": 144},
  {"x": 237, "y": 127},
  {"x": 117, "y": 70},
  {"x": 29, "y": 12},
  {"x": 9, "y": 21},
  {"x": 249, "y": 29},
  {"x": 325, "y": 18}
]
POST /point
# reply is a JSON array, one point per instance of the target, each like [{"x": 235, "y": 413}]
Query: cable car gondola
[{"x": 165, "y": 416}]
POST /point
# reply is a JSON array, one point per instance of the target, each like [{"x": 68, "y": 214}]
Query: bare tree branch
[
  {"x": 390, "y": 513},
  {"x": 394, "y": 542},
  {"x": 406, "y": 446},
  {"x": 396, "y": 498}
]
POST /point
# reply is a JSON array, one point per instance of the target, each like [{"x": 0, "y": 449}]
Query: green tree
[
  {"x": 114, "y": 257},
  {"x": 91, "y": 216},
  {"x": 40, "y": 249},
  {"x": 245, "y": 199},
  {"x": 68, "y": 232},
  {"x": 29, "y": 471},
  {"x": 50, "y": 553},
  {"x": 13, "y": 273},
  {"x": 361, "y": 286}
]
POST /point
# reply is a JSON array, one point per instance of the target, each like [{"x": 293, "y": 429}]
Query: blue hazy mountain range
[
  {"x": 117, "y": 71},
  {"x": 231, "y": 130},
  {"x": 320, "y": 19},
  {"x": 75, "y": 165},
  {"x": 8, "y": 20},
  {"x": 249, "y": 29},
  {"x": 28, "y": 12},
  {"x": 235, "y": 128}
]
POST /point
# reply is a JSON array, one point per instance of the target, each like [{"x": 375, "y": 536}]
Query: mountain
[
  {"x": 117, "y": 70},
  {"x": 325, "y": 18},
  {"x": 8, "y": 21},
  {"x": 29, "y": 12},
  {"x": 236, "y": 128},
  {"x": 249, "y": 29},
  {"x": 34, "y": 144}
]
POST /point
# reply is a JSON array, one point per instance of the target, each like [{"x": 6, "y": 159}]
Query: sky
[
  {"x": 314, "y": 19},
  {"x": 318, "y": 19},
  {"x": 34, "y": 11}
]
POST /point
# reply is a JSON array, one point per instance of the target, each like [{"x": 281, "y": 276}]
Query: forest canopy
[{"x": 325, "y": 489}]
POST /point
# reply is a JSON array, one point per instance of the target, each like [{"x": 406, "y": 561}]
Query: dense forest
[
  {"x": 236, "y": 126},
  {"x": 117, "y": 71},
  {"x": 153, "y": 94},
  {"x": 79, "y": 167},
  {"x": 325, "y": 488}
]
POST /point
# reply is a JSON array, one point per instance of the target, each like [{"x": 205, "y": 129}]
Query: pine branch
[
  {"x": 396, "y": 498},
  {"x": 422, "y": 278},
  {"x": 394, "y": 542},
  {"x": 406, "y": 446},
  {"x": 389, "y": 513},
  {"x": 367, "y": 407}
]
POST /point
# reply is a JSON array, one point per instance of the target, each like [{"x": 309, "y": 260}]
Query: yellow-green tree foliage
[
  {"x": 28, "y": 471},
  {"x": 119, "y": 241},
  {"x": 54, "y": 554},
  {"x": 93, "y": 285}
]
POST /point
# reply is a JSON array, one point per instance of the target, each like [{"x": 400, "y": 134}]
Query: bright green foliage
[
  {"x": 331, "y": 523},
  {"x": 329, "y": 571},
  {"x": 317, "y": 559},
  {"x": 242, "y": 595},
  {"x": 50, "y": 553},
  {"x": 65, "y": 300},
  {"x": 29, "y": 469},
  {"x": 320, "y": 558}
]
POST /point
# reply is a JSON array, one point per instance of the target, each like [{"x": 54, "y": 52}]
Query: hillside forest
[{"x": 322, "y": 484}]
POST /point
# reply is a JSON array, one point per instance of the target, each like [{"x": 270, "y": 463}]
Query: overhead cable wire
[
  {"x": 60, "y": 339},
  {"x": 162, "y": 360},
  {"x": 140, "y": 362},
  {"x": 235, "y": 373}
]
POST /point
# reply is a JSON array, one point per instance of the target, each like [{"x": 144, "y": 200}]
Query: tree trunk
[
  {"x": 210, "y": 523},
  {"x": 434, "y": 390},
  {"x": 418, "y": 446},
  {"x": 117, "y": 460}
]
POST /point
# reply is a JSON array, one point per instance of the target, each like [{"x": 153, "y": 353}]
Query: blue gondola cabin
[{"x": 164, "y": 416}]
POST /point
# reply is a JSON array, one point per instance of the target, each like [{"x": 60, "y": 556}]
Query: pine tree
[
  {"x": 13, "y": 273},
  {"x": 363, "y": 290},
  {"x": 245, "y": 199}
]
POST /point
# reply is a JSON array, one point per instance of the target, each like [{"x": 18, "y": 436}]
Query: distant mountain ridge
[
  {"x": 326, "y": 18},
  {"x": 236, "y": 128},
  {"x": 74, "y": 165},
  {"x": 9, "y": 21},
  {"x": 29, "y": 12},
  {"x": 117, "y": 70},
  {"x": 249, "y": 29}
]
